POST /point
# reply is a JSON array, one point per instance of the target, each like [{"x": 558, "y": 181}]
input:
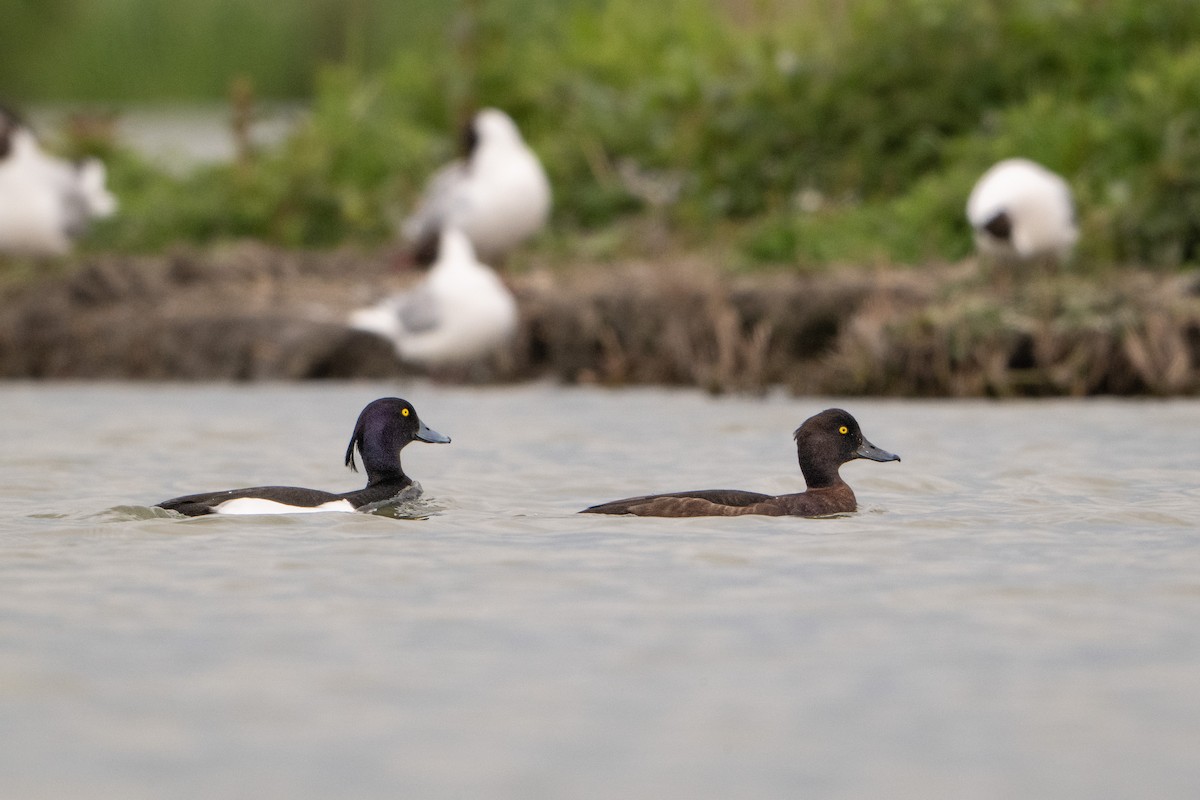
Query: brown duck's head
[{"x": 829, "y": 439}]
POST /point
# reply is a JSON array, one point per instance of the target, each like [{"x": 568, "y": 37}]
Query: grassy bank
[
  {"x": 252, "y": 312},
  {"x": 800, "y": 132},
  {"x": 940, "y": 332}
]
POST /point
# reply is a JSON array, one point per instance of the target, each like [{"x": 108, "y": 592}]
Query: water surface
[{"x": 1014, "y": 612}]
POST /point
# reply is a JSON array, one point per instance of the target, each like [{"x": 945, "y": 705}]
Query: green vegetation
[{"x": 803, "y": 132}]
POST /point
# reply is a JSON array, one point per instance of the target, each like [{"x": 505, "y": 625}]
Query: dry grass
[
  {"x": 1126, "y": 333},
  {"x": 252, "y": 312}
]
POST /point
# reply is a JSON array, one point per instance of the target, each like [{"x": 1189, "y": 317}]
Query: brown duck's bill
[{"x": 868, "y": 450}]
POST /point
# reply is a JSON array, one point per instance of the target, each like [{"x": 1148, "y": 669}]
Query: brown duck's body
[
  {"x": 823, "y": 443},
  {"x": 734, "y": 503}
]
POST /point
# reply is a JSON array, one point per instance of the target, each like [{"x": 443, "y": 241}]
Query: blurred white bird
[
  {"x": 498, "y": 195},
  {"x": 1021, "y": 211},
  {"x": 460, "y": 313},
  {"x": 45, "y": 202}
]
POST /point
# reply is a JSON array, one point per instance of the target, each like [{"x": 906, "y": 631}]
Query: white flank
[{"x": 259, "y": 505}]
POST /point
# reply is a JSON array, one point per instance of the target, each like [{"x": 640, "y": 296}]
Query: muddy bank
[{"x": 249, "y": 312}]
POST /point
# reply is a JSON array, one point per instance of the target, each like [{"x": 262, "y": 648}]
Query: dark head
[
  {"x": 468, "y": 139},
  {"x": 384, "y": 427},
  {"x": 1000, "y": 226},
  {"x": 427, "y": 249},
  {"x": 828, "y": 440},
  {"x": 10, "y": 123},
  {"x": 491, "y": 128}
]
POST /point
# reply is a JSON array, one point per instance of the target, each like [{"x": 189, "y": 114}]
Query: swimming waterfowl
[
  {"x": 497, "y": 194},
  {"x": 383, "y": 429},
  {"x": 460, "y": 313},
  {"x": 1021, "y": 211},
  {"x": 823, "y": 443},
  {"x": 45, "y": 202}
]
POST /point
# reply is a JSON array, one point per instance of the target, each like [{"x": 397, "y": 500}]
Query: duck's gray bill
[
  {"x": 427, "y": 434},
  {"x": 868, "y": 450}
]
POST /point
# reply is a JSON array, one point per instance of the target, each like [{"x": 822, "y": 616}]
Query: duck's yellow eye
[
  {"x": 843, "y": 430},
  {"x": 404, "y": 413}
]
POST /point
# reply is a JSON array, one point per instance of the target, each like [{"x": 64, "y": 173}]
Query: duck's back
[
  {"x": 258, "y": 500},
  {"x": 837, "y": 499},
  {"x": 704, "y": 503}
]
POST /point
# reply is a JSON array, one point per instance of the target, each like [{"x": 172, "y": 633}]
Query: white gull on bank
[
  {"x": 458, "y": 314},
  {"x": 1022, "y": 211},
  {"x": 498, "y": 195},
  {"x": 45, "y": 202}
]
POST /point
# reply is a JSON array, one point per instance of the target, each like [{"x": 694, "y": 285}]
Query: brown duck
[{"x": 823, "y": 443}]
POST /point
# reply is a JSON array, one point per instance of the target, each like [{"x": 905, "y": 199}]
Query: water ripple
[{"x": 1012, "y": 610}]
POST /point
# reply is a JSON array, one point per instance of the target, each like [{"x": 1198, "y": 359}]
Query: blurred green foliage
[{"x": 797, "y": 131}]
